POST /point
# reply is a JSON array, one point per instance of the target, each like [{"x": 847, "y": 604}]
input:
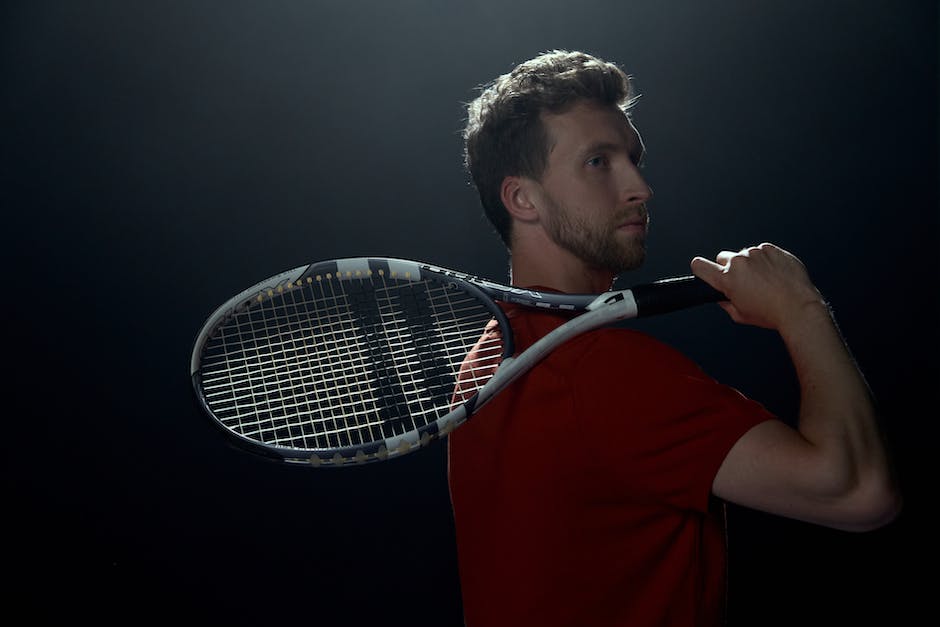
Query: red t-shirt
[{"x": 582, "y": 492}]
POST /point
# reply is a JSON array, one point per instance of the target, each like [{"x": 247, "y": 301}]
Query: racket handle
[{"x": 673, "y": 294}]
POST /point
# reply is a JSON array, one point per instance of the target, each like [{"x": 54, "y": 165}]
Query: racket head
[{"x": 348, "y": 361}]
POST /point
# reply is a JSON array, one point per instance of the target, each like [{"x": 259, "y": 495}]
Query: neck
[{"x": 557, "y": 269}]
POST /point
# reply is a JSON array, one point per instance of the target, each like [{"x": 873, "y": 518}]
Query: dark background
[{"x": 158, "y": 157}]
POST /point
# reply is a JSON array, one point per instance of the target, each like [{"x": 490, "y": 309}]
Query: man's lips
[{"x": 633, "y": 224}]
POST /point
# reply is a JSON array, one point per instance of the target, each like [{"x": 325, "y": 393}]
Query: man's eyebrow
[
  {"x": 637, "y": 154},
  {"x": 600, "y": 146}
]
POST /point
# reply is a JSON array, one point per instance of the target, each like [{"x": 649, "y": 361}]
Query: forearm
[
  {"x": 833, "y": 470},
  {"x": 838, "y": 419}
]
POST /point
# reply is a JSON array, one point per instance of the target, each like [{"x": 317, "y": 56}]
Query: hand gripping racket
[{"x": 365, "y": 359}]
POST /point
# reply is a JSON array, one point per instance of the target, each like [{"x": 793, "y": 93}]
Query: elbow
[
  {"x": 882, "y": 511},
  {"x": 860, "y": 494},
  {"x": 870, "y": 507}
]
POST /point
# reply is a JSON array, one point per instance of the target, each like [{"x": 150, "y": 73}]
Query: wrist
[{"x": 812, "y": 314}]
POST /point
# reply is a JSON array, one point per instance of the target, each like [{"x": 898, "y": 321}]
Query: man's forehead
[{"x": 588, "y": 124}]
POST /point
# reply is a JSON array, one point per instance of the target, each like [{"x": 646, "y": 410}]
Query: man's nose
[{"x": 634, "y": 188}]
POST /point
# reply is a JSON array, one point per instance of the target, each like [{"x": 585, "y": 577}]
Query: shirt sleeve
[{"x": 653, "y": 422}]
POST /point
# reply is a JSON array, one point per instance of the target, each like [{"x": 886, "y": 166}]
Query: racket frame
[
  {"x": 351, "y": 269},
  {"x": 600, "y": 310}
]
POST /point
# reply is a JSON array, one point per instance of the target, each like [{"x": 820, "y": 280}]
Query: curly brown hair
[{"x": 504, "y": 135}]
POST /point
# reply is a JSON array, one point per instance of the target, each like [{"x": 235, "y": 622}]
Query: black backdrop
[{"x": 159, "y": 156}]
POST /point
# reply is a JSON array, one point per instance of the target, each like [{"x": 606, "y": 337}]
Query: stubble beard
[{"x": 596, "y": 245}]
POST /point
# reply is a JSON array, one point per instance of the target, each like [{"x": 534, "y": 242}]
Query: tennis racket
[{"x": 360, "y": 360}]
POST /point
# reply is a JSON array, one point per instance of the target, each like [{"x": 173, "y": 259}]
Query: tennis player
[{"x": 590, "y": 492}]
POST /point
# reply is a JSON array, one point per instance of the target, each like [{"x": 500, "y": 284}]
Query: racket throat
[{"x": 620, "y": 299}]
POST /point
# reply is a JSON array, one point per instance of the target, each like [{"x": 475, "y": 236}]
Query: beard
[{"x": 598, "y": 245}]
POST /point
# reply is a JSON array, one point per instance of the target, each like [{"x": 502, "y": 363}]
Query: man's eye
[{"x": 597, "y": 162}]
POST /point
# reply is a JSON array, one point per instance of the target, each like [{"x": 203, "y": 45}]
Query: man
[{"x": 586, "y": 493}]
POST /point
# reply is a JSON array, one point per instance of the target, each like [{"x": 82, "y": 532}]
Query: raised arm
[{"x": 833, "y": 469}]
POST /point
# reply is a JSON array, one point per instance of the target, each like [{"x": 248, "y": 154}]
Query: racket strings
[
  {"x": 332, "y": 330},
  {"x": 343, "y": 362},
  {"x": 480, "y": 363},
  {"x": 287, "y": 328}
]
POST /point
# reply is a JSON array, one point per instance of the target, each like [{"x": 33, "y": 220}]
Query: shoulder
[
  {"x": 618, "y": 363},
  {"x": 635, "y": 350}
]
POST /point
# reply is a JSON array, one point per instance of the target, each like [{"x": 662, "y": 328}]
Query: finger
[
  {"x": 707, "y": 270},
  {"x": 725, "y": 256},
  {"x": 710, "y": 272}
]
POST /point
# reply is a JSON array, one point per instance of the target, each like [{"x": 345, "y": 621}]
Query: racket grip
[{"x": 673, "y": 294}]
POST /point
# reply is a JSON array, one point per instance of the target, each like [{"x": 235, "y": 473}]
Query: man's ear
[{"x": 517, "y": 194}]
